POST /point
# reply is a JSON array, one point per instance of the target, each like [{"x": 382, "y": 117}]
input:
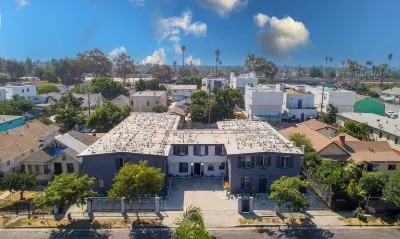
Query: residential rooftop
[
  {"x": 149, "y": 93},
  {"x": 379, "y": 122},
  {"x": 393, "y": 91},
  {"x": 293, "y": 91},
  {"x": 7, "y": 118},
  {"x": 151, "y": 133},
  {"x": 183, "y": 87}
]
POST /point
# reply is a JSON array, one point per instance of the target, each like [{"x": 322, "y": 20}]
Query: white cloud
[
  {"x": 195, "y": 61},
  {"x": 224, "y": 7},
  {"x": 261, "y": 19},
  {"x": 22, "y": 3},
  {"x": 177, "y": 49},
  {"x": 166, "y": 27},
  {"x": 138, "y": 3},
  {"x": 116, "y": 52},
  {"x": 282, "y": 36},
  {"x": 175, "y": 39},
  {"x": 158, "y": 57}
]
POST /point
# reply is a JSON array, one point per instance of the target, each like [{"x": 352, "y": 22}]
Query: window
[
  {"x": 392, "y": 167},
  {"x": 29, "y": 97},
  {"x": 37, "y": 169},
  {"x": 70, "y": 167},
  {"x": 220, "y": 150},
  {"x": 396, "y": 140},
  {"x": 245, "y": 182},
  {"x": 8, "y": 162},
  {"x": 388, "y": 137},
  {"x": 180, "y": 150},
  {"x": 132, "y": 102},
  {"x": 246, "y": 161},
  {"x": 183, "y": 167},
  {"x": 200, "y": 150},
  {"x": 46, "y": 169},
  {"x": 265, "y": 161},
  {"x": 284, "y": 162},
  {"x": 380, "y": 134},
  {"x": 175, "y": 91},
  {"x": 148, "y": 103},
  {"x": 64, "y": 157},
  {"x": 29, "y": 168},
  {"x": 373, "y": 167},
  {"x": 210, "y": 167},
  {"x": 119, "y": 163},
  {"x": 101, "y": 183},
  {"x": 23, "y": 91},
  {"x": 371, "y": 131},
  {"x": 221, "y": 166},
  {"x": 27, "y": 90}
]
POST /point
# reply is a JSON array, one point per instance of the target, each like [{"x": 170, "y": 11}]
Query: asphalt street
[{"x": 223, "y": 233}]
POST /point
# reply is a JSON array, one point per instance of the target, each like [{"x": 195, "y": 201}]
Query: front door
[
  {"x": 245, "y": 205},
  {"x": 302, "y": 117},
  {"x": 197, "y": 169},
  {"x": 57, "y": 168},
  {"x": 262, "y": 185}
]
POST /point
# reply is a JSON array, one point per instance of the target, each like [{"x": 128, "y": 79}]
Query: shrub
[{"x": 227, "y": 187}]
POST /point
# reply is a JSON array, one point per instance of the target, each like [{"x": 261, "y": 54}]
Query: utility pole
[
  {"x": 89, "y": 101},
  {"x": 322, "y": 98},
  {"x": 298, "y": 76},
  {"x": 209, "y": 105},
  {"x": 286, "y": 75}
]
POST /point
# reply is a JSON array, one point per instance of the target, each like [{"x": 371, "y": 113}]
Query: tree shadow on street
[
  {"x": 150, "y": 233},
  {"x": 299, "y": 233},
  {"x": 71, "y": 233}
]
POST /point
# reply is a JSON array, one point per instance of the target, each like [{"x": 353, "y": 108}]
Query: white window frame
[
  {"x": 247, "y": 182},
  {"x": 246, "y": 160},
  {"x": 210, "y": 165},
  {"x": 375, "y": 167},
  {"x": 264, "y": 161},
  {"x": 182, "y": 150},
  {"x": 220, "y": 164}
]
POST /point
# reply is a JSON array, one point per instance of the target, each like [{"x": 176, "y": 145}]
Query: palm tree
[
  {"x": 326, "y": 65},
  {"x": 368, "y": 63},
  {"x": 330, "y": 63},
  {"x": 382, "y": 68},
  {"x": 183, "y": 48},
  {"x": 217, "y": 53},
  {"x": 390, "y": 59},
  {"x": 175, "y": 62},
  {"x": 191, "y": 225},
  {"x": 220, "y": 63}
]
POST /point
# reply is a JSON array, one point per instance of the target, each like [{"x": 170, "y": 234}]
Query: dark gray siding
[
  {"x": 105, "y": 167},
  {"x": 272, "y": 173}
]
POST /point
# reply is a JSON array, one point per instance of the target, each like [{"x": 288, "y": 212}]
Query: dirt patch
[
  {"x": 86, "y": 223},
  {"x": 303, "y": 221},
  {"x": 4, "y": 219},
  {"x": 370, "y": 221},
  {"x": 11, "y": 199}
]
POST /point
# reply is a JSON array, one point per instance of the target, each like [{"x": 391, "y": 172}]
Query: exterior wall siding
[
  {"x": 103, "y": 167},
  {"x": 368, "y": 105},
  {"x": 272, "y": 173}
]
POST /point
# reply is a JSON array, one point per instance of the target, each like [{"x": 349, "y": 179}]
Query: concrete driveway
[{"x": 208, "y": 193}]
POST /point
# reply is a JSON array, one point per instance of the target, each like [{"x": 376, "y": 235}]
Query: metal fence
[
  {"x": 376, "y": 205},
  {"x": 104, "y": 204},
  {"x": 318, "y": 187}
]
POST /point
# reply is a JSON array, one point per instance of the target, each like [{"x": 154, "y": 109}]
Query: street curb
[
  {"x": 66, "y": 228},
  {"x": 274, "y": 225}
]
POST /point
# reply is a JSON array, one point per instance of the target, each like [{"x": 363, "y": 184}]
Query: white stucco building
[
  {"x": 343, "y": 99},
  {"x": 27, "y": 91},
  {"x": 210, "y": 83},
  {"x": 298, "y": 103},
  {"x": 143, "y": 101},
  {"x": 263, "y": 101},
  {"x": 2, "y": 94},
  {"x": 181, "y": 92},
  {"x": 241, "y": 81}
]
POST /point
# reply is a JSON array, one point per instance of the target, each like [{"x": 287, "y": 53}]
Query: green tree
[
  {"x": 95, "y": 61},
  {"x": 373, "y": 183},
  {"x": 79, "y": 90},
  {"x": 45, "y": 120},
  {"x": 311, "y": 161},
  {"x": 190, "y": 225},
  {"x": 159, "y": 108},
  {"x": 135, "y": 180},
  {"x": 65, "y": 190},
  {"x": 69, "y": 71},
  {"x": 29, "y": 65},
  {"x": 191, "y": 80},
  {"x": 163, "y": 72},
  {"x": 355, "y": 192},
  {"x": 360, "y": 131},
  {"x": 316, "y": 71},
  {"x": 70, "y": 116},
  {"x": 18, "y": 105},
  {"x": 391, "y": 191},
  {"x": 286, "y": 191},
  {"x": 47, "y": 88},
  {"x": 20, "y": 182},
  {"x": 140, "y": 85},
  {"x": 49, "y": 75},
  {"x": 183, "y": 49},
  {"x": 300, "y": 140},
  {"x": 330, "y": 116},
  {"x": 69, "y": 99},
  {"x": 124, "y": 65},
  {"x": 260, "y": 66},
  {"x": 15, "y": 69},
  {"x": 108, "y": 88},
  {"x": 108, "y": 116},
  {"x": 154, "y": 84}
]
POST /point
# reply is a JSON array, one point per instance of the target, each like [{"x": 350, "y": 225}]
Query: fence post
[
  {"x": 239, "y": 204},
  {"x": 251, "y": 204},
  {"x": 56, "y": 209},
  {"x": 157, "y": 205},
  {"x": 89, "y": 205},
  {"x": 123, "y": 206}
]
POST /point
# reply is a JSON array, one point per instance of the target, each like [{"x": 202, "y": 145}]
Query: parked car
[{"x": 391, "y": 114}]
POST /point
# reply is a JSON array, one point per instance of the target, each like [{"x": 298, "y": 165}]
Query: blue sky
[{"x": 288, "y": 31}]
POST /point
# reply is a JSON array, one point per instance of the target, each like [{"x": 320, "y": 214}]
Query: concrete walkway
[{"x": 4, "y": 195}]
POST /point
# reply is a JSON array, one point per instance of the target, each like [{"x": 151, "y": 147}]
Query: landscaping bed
[
  {"x": 11, "y": 199},
  {"x": 84, "y": 223},
  {"x": 4, "y": 219},
  {"x": 370, "y": 221},
  {"x": 276, "y": 221}
]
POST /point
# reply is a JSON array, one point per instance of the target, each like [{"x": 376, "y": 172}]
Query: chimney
[
  {"x": 303, "y": 148},
  {"x": 342, "y": 139}
]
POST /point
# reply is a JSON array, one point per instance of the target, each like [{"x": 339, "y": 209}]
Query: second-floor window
[
  {"x": 245, "y": 161},
  {"x": 200, "y": 150},
  {"x": 391, "y": 167},
  {"x": 220, "y": 150},
  {"x": 284, "y": 162},
  {"x": 265, "y": 161},
  {"x": 180, "y": 150},
  {"x": 119, "y": 163}
]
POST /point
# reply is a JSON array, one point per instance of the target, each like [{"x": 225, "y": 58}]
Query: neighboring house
[
  {"x": 46, "y": 100},
  {"x": 9, "y": 122},
  {"x": 27, "y": 91},
  {"x": 2, "y": 94},
  {"x": 241, "y": 81},
  {"x": 343, "y": 99},
  {"x": 391, "y": 94},
  {"x": 263, "y": 101},
  {"x": 121, "y": 100},
  {"x": 208, "y": 84},
  {"x": 249, "y": 154},
  {"x": 381, "y": 128},
  {"x": 90, "y": 101},
  {"x": 60, "y": 156},
  {"x": 322, "y": 128},
  {"x": 143, "y": 101},
  {"x": 63, "y": 89},
  {"x": 181, "y": 92},
  {"x": 19, "y": 143},
  {"x": 369, "y": 105},
  {"x": 298, "y": 103}
]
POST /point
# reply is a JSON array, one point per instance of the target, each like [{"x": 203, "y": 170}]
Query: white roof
[
  {"x": 393, "y": 91},
  {"x": 183, "y": 87},
  {"x": 382, "y": 123},
  {"x": 71, "y": 142},
  {"x": 149, "y": 93}
]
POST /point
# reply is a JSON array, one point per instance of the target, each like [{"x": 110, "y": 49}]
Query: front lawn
[
  {"x": 275, "y": 221},
  {"x": 11, "y": 199},
  {"x": 370, "y": 221}
]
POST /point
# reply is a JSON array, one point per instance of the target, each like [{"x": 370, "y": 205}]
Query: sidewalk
[{"x": 4, "y": 194}]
